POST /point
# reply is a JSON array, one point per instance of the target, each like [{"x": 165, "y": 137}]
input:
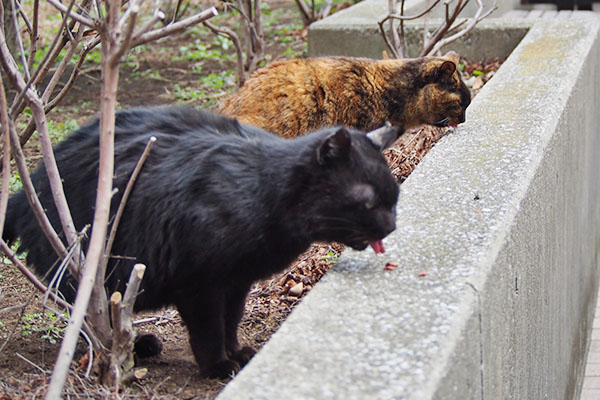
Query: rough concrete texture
[
  {"x": 498, "y": 244},
  {"x": 355, "y": 32}
]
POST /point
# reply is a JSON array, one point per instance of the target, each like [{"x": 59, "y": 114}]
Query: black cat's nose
[{"x": 390, "y": 225}]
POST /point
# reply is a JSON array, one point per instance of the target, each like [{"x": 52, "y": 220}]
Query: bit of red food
[{"x": 390, "y": 266}]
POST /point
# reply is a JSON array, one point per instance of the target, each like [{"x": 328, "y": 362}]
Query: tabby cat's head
[{"x": 441, "y": 96}]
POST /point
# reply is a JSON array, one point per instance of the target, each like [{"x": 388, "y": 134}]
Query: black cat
[{"x": 217, "y": 206}]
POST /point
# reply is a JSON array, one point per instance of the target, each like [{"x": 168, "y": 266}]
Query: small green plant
[
  {"x": 14, "y": 183},
  {"x": 58, "y": 130},
  {"x": 331, "y": 257},
  {"x": 294, "y": 52},
  {"x": 198, "y": 51},
  {"x": 188, "y": 93},
  {"x": 47, "y": 324},
  {"x": 218, "y": 81}
]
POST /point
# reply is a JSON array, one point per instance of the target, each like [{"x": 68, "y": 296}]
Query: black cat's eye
[{"x": 369, "y": 205}]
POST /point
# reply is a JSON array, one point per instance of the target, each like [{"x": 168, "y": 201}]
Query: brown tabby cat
[{"x": 297, "y": 96}]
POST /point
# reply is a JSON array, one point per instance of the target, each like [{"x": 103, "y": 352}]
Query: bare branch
[
  {"x": 62, "y": 66},
  {"x": 19, "y": 41},
  {"x": 230, "y": 34},
  {"x": 411, "y": 17},
  {"x": 32, "y": 197},
  {"x": 56, "y": 186},
  {"x": 174, "y": 28},
  {"x": 90, "y": 23},
  {"x": 26, "y": 133},
  {"x": 470, "y": 25},
  {"x": 128, "y": 21},
  {"x": 92, "y": 280},
  {"x": 33, "y": 34},
  {"x": 4, "y": 132},
  {"x": 157, "y": 16},
  {"x": 42, "y": 288},
  {"x": 126, "y": 193},
  {"x": 123, "y": 332}
]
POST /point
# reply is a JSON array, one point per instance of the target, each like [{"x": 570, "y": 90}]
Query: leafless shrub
[
  {"x": 249, "y": 49},
  {"x": 312, "y": 12},
  {"x": 452, "y": 27}
]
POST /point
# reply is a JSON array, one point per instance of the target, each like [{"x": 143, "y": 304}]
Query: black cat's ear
[
  {"x": 334, "y": 146},
  {"x": 384, "y": 137}
]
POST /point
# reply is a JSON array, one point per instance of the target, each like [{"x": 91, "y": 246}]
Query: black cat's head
[
  {"x": 441, "y": 97},
  {"x": 352, "y": 196}
]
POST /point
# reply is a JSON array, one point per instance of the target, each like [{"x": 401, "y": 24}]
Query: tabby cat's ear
[
  {"x": 447, "y": 69},
  {"x": 384, "y": 137},
  {"x": 452, "y": 56},
  {"x": 336, "y": 145}
]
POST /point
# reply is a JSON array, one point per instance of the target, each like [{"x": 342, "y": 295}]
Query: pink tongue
[
  {"x": 454, "y": 126},
  {"x": 377, "y": 247}
]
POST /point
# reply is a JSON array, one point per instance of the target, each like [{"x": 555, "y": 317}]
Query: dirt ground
[{"x": 164, "y": 73}]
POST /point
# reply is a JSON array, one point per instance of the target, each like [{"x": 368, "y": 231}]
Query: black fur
[{"x": 217, "y": 206}]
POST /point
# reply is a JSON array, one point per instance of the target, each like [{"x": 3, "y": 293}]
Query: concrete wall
[{"x": 498, "y": 244}]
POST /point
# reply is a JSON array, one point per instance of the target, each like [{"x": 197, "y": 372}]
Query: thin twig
[
  {"x": 19, "y": 40},
  {"x": 174, "y": 28},
  {"x": 125, "y": 198},
  {"x": 42, "y": 288},
  {"x": 4, "y": 126},
  {"x": 230, "y": 34},
  {"x": 77, "y": 17},
  {"x": 14, "y": 329},
  {"x": 479, "y": 16},
  {"x": 45, "y": 371}
]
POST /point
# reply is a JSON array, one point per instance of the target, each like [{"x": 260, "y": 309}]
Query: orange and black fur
[{"x": 298, "y": 96}]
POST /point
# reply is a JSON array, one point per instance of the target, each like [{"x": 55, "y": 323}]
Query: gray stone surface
[
  {"x": 498, "y": 242},
  {"x": 355, "y": 32}
]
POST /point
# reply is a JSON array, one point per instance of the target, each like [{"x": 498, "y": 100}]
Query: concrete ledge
[
  {"x": 503, "y": 218},
  {"x": 355, "y": 32}
]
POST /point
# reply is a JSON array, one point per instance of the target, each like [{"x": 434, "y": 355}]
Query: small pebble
[{"x": 296, "y": 290}]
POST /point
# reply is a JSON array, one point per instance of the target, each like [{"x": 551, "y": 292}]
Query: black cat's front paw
[
  {"x": 147, "y": 345},
  {"x": 243, "y": 355},
  {"x": 222, "y": 369}
]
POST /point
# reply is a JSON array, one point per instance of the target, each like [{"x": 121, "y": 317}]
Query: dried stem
[
  {"x": 4, "y": 132},
  {"x": 230, "y": 34},
  {"x": 479, "y": 16},
  {"x": 34, "y": 202},
  {"x": 444, "y": 34},
  {"x": 90, "y": 23},
  {"x": 123, "y": 333},
  {"x": 125, "y": 198},
  {"x": 176, "y": 27},
  {"x": 43, "y": 288}
]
